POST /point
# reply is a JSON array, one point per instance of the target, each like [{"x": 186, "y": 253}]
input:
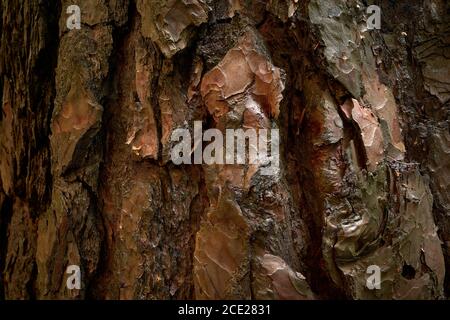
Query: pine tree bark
[{"x": 86, "y": 176}]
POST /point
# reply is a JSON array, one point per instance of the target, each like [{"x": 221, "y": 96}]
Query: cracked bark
[{"x": 86, "y": 176}]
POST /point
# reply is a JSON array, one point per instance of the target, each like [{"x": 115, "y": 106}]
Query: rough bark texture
[{"x": 86, "y": 176}]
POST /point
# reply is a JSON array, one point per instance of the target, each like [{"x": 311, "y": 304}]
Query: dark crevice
[
  {"x": 408, "y": 272},
  {"x": 6, "y": 212},
  {"x": 290, "y": 56},
  {"x": 119, "y": 35}
]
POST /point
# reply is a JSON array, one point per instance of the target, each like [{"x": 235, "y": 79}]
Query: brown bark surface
[{"x": 86, "y": 176}]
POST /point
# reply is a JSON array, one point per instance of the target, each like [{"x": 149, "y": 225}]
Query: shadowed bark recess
[{"x": 87, "y": 178}]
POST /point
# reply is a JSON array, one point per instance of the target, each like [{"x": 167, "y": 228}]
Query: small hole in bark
[{"x": 408, "y": 272}]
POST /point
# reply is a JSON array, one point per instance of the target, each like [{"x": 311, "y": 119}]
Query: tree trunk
[{"x": 87, "y": 176}]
